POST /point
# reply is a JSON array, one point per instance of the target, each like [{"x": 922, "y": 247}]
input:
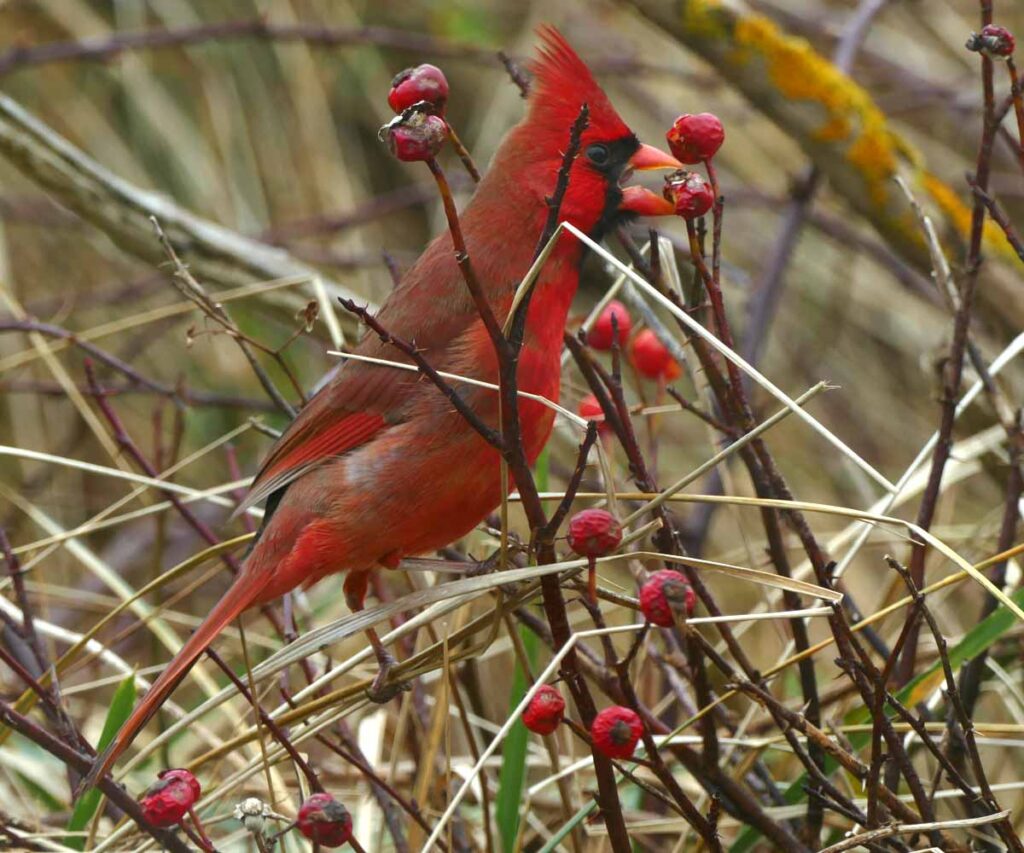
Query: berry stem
[
  {"x": 1018, "y": 106},
  {"x": 203, "y": 838},
  {"x": 464, "y": 155},
  {"x": 716, "y": 213},
  {"x": 717, "y": 302},
  {"x": 462, "y": 257}
]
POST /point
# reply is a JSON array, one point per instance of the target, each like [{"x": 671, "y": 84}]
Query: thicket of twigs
[{"x": 864, "y": 265}]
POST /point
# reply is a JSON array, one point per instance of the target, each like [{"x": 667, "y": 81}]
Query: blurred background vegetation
[{"x": 276, "y": 138}]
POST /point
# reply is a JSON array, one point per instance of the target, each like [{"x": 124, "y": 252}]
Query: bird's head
[{"x": 596, "y": 198}]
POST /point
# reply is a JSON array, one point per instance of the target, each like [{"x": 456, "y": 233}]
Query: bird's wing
[
  {"x": 359, "y": 403},
  {"x": 430, "y": 308}
]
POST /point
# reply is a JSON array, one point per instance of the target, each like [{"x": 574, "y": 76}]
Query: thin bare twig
[
  {"x": 194, "y": 292},
  {"x": 81, "y": 763},
  {"x": 952, "y": 370}
]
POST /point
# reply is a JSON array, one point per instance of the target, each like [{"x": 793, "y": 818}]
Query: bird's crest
[{"x": 562, "y": 84}]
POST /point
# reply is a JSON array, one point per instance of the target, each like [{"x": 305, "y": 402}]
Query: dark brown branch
[
  {"x": 483, "y": 307},
  {"x": 106, "y": 47},
  {"x": 189, "y": 396},
  {"x": 268, "y": 721},
  {"x": 409, "y": 349},
  {"x": 952, "y": 370},
  {"x": 515, "y": 73},
  {"x": 102, "y": 356},
  {"x": 28, "y": 630},
  {"x": 1000, "y": 218},
  {"x": 81, "y": 763},
  {"x": 966, "y": 723},
  {"x": 573, "y": 486}
]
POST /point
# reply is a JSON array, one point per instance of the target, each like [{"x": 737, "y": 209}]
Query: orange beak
[{"x": 641, "y": 200}]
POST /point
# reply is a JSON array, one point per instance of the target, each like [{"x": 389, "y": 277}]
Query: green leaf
[
  {"x": 513, "y": 755},
  {"x": 541, "y": 470},
  {"x": 972, "y": 644},
  {"x": 120, "y": 709}
]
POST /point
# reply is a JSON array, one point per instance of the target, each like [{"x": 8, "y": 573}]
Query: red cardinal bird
[{"x": 378, "y": 466}]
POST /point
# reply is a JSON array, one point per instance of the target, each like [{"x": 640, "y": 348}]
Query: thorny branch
[
  {"x": 952, "y": 369},
  {"x": 689, "y": 661}
]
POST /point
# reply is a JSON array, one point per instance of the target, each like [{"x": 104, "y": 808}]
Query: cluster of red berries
[
  {"x": 693, "y": 139},
  {"x": 419, "y": 96},
  {"x": 995, "y": 42},
  {"x": 321, "y": 819},
  {"x": 647, "y": 353},
  {"x": 614, "y": 732}
]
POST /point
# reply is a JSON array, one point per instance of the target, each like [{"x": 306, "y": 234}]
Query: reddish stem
[
  {"x": 1018, "y": 106},
  {"x": 464, "y": 155}
]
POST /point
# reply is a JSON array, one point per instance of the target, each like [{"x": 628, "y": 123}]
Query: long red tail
[{"x": 235, "y": 600}]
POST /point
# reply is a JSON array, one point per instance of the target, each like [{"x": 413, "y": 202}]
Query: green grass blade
[
  {"x": 578, "y": 818},
  {"x": 513, "y": 764},
  {"x": 120, "y": 708}
]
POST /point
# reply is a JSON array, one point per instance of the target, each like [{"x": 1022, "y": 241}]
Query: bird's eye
[{"x": 598, "y": 154}]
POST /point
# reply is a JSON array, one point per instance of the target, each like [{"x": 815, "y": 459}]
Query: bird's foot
[{"x": 379, "y": 692}]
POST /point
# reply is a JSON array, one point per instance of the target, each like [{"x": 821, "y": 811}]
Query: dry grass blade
[
  {"x": 752, "y": 575},
  {"x": 254, "y": 142},
  {"x": 734, "y": 357}
]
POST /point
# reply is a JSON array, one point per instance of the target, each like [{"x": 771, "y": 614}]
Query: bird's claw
[
  {"x": 379, "y": 692},
  {"x": 386, "y": 692}
]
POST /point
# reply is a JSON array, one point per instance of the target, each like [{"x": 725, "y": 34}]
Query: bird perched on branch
[{"x": 378, "y": 465}]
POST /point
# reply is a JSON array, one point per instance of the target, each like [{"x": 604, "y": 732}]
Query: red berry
[
  {"x": 590, "y": 409},
  {"x": 995, "y": 42},
  {"x": 660, "y": 592},
  {"x": 690, "y": 193},
  {"x": 415, "y": 136},
  {"x": 545, "y": 711},
  {"x": 168, "y": 800},
  {"x": 695, "y": 138},
  {"x": 594, "y": 533},
  {"x": 600, "y": 334},
  {"x": 422, "y": 83},
  {"x": 324, "y": 820},
  {"x": 652, "y": 359},
  {"x": 615, "y": 731}
]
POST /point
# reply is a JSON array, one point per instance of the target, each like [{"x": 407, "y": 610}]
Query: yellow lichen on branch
[{"x": 834, "y": 119}]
